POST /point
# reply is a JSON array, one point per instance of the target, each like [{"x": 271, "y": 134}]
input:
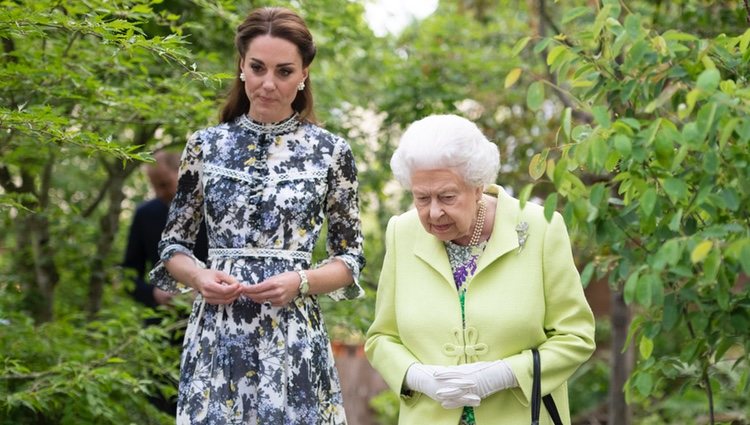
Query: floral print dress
[
  {"x": 463, "y": 260},
  {"x": 265, "y": 191}
]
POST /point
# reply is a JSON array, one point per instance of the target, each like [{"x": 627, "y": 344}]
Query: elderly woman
[{"x": 466, "y": 296}]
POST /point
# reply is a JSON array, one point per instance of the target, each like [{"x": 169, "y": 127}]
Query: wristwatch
[{"x": 304, "y": 285}]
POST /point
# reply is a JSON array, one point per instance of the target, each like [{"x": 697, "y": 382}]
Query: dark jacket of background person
[{"x": 142, "y": 251}]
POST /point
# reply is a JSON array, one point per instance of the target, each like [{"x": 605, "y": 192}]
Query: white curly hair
[{"x": 446, "y": 141}]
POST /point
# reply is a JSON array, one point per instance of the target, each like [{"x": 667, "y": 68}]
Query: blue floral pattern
[
  {"x": 266, "y": 190},
  {"x": 463, "y": 261}
]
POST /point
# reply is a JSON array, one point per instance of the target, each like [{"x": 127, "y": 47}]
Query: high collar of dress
[{"x": 284, "y": 126}]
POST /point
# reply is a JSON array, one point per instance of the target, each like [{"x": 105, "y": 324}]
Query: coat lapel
[
  {"x": 432, "y": 251},
  {"x": 504, "y": 237}
]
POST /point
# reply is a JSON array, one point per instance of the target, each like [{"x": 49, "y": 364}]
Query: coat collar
[{"x": 503, "y": 239}]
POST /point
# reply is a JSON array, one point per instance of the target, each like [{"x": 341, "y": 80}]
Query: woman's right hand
[
  {"x": 215, "y": 286},
  {"x": 451, "y": 393}
]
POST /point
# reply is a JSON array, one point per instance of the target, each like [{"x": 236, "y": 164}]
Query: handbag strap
[
  {"x": 536, "y": 399},
  {"x": 535, "y": 389}
]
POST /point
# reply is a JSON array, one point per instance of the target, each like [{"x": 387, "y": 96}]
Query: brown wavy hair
[{"x": 276, "y": 22}]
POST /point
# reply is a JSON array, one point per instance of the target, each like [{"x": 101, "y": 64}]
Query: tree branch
[
  {"x": 99, "y": 196},
  {"x": 46, "y": 182},
  {"x": 576, "y": 112}
]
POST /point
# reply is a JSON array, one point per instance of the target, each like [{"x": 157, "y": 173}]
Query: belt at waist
[{"x": 259, "y": 252}]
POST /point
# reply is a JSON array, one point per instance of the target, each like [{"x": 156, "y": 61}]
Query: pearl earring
[
  {"x": 242, "y": 76},
  {"x": 301, "y": 86}
]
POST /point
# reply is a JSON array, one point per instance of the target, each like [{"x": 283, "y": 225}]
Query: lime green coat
[{"x": 518, "y": 299}]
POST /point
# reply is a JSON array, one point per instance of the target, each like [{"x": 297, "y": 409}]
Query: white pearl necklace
[{"x": 479, "y": 225}]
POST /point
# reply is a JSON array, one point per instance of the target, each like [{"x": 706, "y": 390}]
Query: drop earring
[
  {"x": 301, "y": 86},
  {"x": 242, "y": 76}
]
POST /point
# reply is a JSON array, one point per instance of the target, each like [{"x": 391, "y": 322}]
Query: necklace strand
[{"x": 479, "y": 225}]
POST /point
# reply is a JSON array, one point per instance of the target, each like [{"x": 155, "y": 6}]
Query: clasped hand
[
  {"x": 218, "y": 287},
  {"x": 463, "y": 385}
]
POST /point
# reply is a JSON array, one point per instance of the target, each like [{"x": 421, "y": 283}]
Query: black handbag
[{"x": 536, "y": 399}]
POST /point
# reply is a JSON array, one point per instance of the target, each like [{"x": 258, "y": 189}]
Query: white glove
[
  {"x": 453, "y": 398},
  {"x": 422, "y": 378},
  {"x": 487, "y": 377}
]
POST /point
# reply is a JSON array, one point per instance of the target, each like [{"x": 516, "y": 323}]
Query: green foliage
[
  {"x": 386, "y": 406},
  {"x": 73, "y": 371},
  {"x": 655, "y": 176},
  {"x": 634, "y": 123}
]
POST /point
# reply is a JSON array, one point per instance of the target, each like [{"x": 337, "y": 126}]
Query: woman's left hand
[{"x": 279, "y": 290}]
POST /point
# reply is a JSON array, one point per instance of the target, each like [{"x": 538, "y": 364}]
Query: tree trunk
[
  {"x": 109, "y": 224},
  {"x": 619, "y": 412},
  {"x": 36, "y": 253},
  {"x": 38, "y": 271}
]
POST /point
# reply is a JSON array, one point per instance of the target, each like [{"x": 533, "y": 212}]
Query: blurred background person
[{"x": 142, "y": 251}]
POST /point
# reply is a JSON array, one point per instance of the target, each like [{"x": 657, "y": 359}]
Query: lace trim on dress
[
  {"x": 259, "y": 252},
  {"x": 241, "y": 175},
  {"x": 274, "y": 129}
]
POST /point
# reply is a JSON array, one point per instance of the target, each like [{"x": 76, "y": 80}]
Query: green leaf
[
  {"x": 678, "y": 36},
  {"x": 555, "y": 53},
  {"x": 542, "y": 44},
  {"x": 538, "y": 165},
  {"x": 535, "y": 95},
  {"x": 601, "y": 115},
  {"x": 575, "y": 13},
  {"x": 520, "y": 44},
  {"x": 711, "y": 265},
  {"x": 525, "y": 194},
  {"x": 745, "y": 259},
  {"x": 644, "y": 382},
  {"x": 700, "y": 251},
  {"x": 670, "y": 313},
  {"x": 567, "y": 118},
  {"x": 648, "y": 201},
  {"x": 727, "y": 130},
  {"x": 646, "y": 347},
  {"x": 587, "y": 273},
  {"x": 644, "y": 291},
  {"x": 550, "y": 204},
  {"x": 676, "y": 189},
  {"x": 711, "y": 162},
  {"x": 744, "y": 41},
  {"x": 676, "y": 222},
  {"x": 623, "y": 145},
  {"x": 652, "y": 131},
  {"x": 629, "y": 290},
  {"x": 672, "y": 251},
  {"x": 708, "y": 81}
]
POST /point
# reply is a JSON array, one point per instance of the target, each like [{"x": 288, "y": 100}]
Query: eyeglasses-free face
[
  {"x": 446, "y": 205},
  {"x": 273, "y": 70}
]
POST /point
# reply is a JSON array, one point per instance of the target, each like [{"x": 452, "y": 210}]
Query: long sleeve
[
  {"x": 344, "y": 226},
  {"x": 568, "y": 320},
  {"x": 383, "y": 347},
  {"x": 185, "y": 216}
]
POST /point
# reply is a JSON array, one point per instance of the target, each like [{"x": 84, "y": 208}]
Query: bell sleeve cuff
[
  {"x": 159, "y": 275},
  {"x": 353, "y": 290}
]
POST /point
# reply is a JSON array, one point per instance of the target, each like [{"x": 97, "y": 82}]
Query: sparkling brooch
[{"x": 523, "y": 233}]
